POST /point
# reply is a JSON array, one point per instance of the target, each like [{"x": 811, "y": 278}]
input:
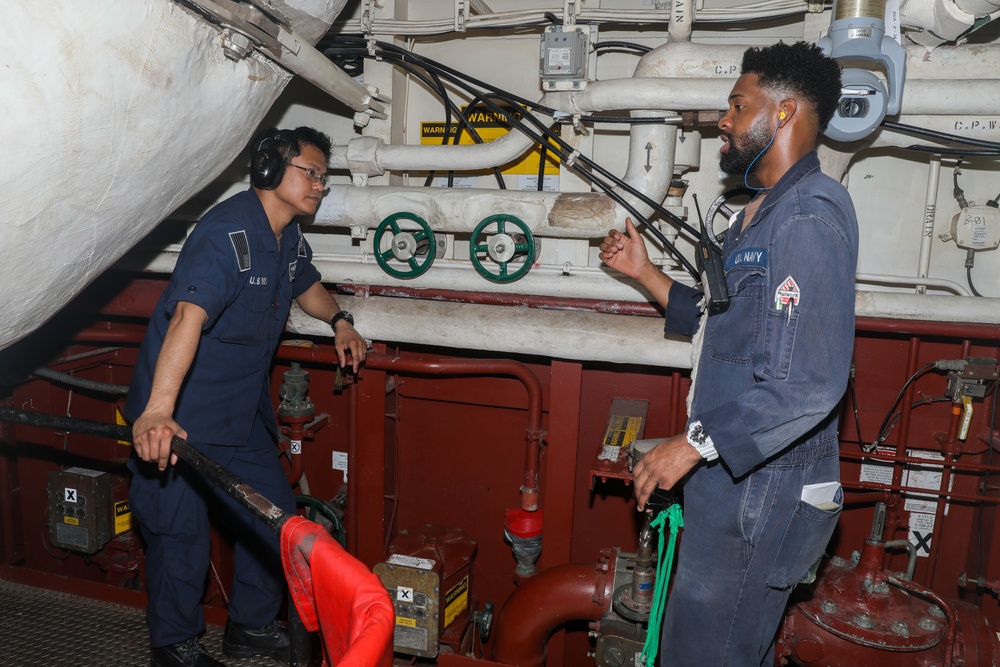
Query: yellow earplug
[{"x": 781, "y": 116}]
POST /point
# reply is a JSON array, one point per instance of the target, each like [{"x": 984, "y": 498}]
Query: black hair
[
  {"x": 801, "y": 68},
  {"x": 289, "y": 143},
  {"x": 303, "y": 136}
]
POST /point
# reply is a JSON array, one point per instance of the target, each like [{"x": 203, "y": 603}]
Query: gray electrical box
[
  {"x": 564, "y": 56},
  {"x": 79, "y": 509}
]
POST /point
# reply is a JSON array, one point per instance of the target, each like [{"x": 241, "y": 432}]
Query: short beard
[{"x": 741, "y": 160}]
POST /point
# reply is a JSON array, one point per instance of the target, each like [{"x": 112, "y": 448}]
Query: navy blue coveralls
[
  {"x": 772, "y": 372},
  {"x": 234, "y": 268}
]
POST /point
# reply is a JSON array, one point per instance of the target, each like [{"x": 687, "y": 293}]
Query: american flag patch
[{"x": 242, "y": 248}]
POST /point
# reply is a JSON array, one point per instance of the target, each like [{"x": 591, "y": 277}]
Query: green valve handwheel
[
  {"x": 416, "y": 249},
  {"x": 501, "y": 247}
]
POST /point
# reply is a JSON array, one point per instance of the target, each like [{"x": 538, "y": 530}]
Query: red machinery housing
[{"x": 445, "y": 438}]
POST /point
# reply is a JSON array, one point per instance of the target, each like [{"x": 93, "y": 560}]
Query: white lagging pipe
[
  {"x": 930, "y": 213},
  {"x": 564, "y": 334}
]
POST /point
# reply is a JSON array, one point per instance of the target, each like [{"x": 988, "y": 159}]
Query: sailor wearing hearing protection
[
  {"x": 203, "y": 374},
  {"x": 770, "y": 372}
]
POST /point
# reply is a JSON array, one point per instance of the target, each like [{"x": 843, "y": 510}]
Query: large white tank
[{"x": 115, "y": 112}]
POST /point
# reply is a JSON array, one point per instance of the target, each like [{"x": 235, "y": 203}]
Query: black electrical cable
[
  {"x": 455, "y": 78},
  {"x": 882, "y": 435},
  {"x": 940, "y": 150},
  {"x": 854, "y": 401},
  {"x": 543, "y": 150},
  {"x": 606, "y": 174},
  {"x": 617, "y": 44},
  {"x": 435, "y": 84},
  {"x": 968, "y": 276},
  {"x": 924, "y": 401},
  {"x": 608, "y": 190},
  {"x": 394, "y": 54},
  {"x": 425, "y": 62},
  {"x": 936, "y": 134}
]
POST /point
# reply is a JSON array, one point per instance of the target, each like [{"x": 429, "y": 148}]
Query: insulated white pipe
[
  {"x": 920, "y": 96},
  {"x": 553, "y": 214},
  {"x": 939, "y": 283},
  {"x": 571, "y": 334},
  {"x": 374, "y": 157},
  {"x": 681, "y": 20},
  {"x": 560, "y": 334},
  {"x": 304, "y": 59},
  {"x": 930, "y": 210}
]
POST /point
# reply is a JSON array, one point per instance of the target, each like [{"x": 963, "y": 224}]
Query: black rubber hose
[
  {"x": 82, "y": 383},
  {"x": 239, "y": 490}
]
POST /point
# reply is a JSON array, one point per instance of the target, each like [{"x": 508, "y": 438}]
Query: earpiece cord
[{"x": 763, "y": 150}]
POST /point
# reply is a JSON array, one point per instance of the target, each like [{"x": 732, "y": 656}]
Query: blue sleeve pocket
[{"x": 779, "y": 341}]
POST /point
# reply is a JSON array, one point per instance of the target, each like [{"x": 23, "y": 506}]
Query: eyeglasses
[{"x": 312, "y": 175}]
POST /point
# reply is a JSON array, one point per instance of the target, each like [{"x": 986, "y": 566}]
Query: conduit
[{"x": 552, "y": 597}]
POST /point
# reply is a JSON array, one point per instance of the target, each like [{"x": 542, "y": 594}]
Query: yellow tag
[
  {"x": 402, "y": 620},
  {"x": 71, "y": 520},
  {"x": 963, "y": 432}
]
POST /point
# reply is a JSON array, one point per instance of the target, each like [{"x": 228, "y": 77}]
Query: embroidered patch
[
  {"x": 787, "y": 293},
  {"x": 242, "y": 248},
  {"x": 747, "y": 257},
  {"x": 291, "y": 271},
  {"x": 302, "y": 244}
]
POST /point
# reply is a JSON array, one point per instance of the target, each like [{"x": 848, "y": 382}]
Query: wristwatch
[
  {"x": 701, "y": 441},
  {"x": 342, "y": 315}
]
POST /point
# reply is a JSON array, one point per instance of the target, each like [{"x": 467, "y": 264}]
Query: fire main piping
[
  {"x": 540, "y": 604},
  {"x": 384, "y": 362},
  {"x": 534, "y": 433}
]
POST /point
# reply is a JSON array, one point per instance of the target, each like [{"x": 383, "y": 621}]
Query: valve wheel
[
  {"x": 413, "y": 248},
  {"x": 501, "y": 247},
  {"x": 721, "y": 205}
]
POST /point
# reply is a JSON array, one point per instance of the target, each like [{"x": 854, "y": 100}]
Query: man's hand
[
  {"x": 347, "y": 338},
  {"x": 663, "y": 466},
  {"x": 151, "y": 436},
  {"x": 625, "y": 253}
]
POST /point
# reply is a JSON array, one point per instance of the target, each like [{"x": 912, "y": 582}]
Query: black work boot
[
  {"x": 241, "y": 641},
  {"x": 189, "y": 653}
]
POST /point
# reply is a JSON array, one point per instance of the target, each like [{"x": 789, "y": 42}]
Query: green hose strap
[{"x": 675, "y": 518}]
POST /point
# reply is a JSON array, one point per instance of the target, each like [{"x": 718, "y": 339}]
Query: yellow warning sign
[
  {"x": 71, "y": 520},
  {"x": 490, "y": 126},
  {"x": 121, "y": 421},
  {"x": 402, "y": 620},
  {"x": 621, "y": 430},
  {"x": 456, "y": 600},
  {"x": 123, "y": 517}
]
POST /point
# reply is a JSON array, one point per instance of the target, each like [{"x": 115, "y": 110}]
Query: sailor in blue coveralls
[
  {"x": 203, "y": 374},
  {"x": 770, "y": 374}
]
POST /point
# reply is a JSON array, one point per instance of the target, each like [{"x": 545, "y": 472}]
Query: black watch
[{"x": 342, "y": 315}]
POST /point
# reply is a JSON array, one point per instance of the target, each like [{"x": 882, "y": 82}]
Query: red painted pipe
[
  {"x": 542, "y": 603},
  {"x": 643, "y": 309},
  {"x": 391, "y": 363},
  {"x": 328, "y": 355}
]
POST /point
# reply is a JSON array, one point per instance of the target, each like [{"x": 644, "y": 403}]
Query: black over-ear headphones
[{"x": 267, "y": 163}]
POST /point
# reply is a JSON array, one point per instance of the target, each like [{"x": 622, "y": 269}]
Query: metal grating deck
[{"x": 43, "y": 628}]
